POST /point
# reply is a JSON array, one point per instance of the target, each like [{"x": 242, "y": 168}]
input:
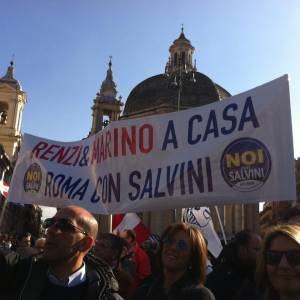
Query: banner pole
[
  {"x": 110, "y": 223},
  {"x": 221, "y": 224}
]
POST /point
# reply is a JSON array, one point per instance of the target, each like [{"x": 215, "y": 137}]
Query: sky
[{"x": 61, "y": 49}]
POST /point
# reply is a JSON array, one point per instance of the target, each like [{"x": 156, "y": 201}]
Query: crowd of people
[{"x": 74, "y": 261}]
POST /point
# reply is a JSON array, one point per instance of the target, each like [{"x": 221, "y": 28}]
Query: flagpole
[
  {"x": 4, "y": 203},
  {"x": 221, "y": 224},
  {"x": 2, "y": 212}
]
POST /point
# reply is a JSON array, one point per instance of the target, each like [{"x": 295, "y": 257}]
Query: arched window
[
  {"x": 175, "y": 59},
  {"x": 3, "y": 113},
  {"x": 183, "y": 58}
]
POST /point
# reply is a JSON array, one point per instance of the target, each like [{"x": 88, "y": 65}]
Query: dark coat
[
  {"x": 232, "y": 283},
  {"x": 25, "y": 279},
  {"x": 184, "y": 289},
  {"x": 126, "y": 283}
]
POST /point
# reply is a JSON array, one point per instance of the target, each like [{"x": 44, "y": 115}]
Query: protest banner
[{"x": 238, "y": 150}]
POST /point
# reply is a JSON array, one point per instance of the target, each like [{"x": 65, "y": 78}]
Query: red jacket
[{"x": 142, "y": 261}]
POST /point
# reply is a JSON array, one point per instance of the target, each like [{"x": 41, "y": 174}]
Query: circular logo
[
  {"x": 246, "y": 164},
  {"x": 33, "y": 178}
]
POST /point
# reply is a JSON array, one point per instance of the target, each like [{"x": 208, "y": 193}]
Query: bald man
[{"x": 65, "y": 270}]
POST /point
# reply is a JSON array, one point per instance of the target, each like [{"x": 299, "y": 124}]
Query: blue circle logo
[
  {"x": 33, "y": 179},
  {"x": 246, "y": 164}
]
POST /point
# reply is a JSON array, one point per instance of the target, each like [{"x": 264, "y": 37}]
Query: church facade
[
  {"x": 180, "y": 87},
  {"x": 12, "y": 102},
  {"x": 13, "y": 218}
]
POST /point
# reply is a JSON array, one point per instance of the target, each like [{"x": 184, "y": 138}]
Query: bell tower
[
  {"x": 12, "y": 101},
  {"x": 181, "y": 56},
  {"x": 106, "y": 108},
  {"x": 106, "y": 104}
]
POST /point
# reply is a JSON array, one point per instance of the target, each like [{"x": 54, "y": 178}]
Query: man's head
[
  {"x": 130, "y": 237},
  {"x": 109, "y": 247},
  {"x": 248, "y": 247},
  {"x": 292, "y": 216},
  {"x": 24, "y": 239},
  {"x": 70, "y": 234}
]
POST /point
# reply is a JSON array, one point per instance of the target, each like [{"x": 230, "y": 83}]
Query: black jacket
[
  {"x": 184, "y": 289},
  {"x": 25, "y": 279},
  {"x": 232, "y": 283}
]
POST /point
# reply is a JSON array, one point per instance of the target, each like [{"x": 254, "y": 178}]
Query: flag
[
  {"x": 200, "y": 217},
  {"x": 131, "y": 221},
  {"x": 4, "y": 187}
]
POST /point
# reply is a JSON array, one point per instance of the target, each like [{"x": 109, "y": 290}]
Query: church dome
[
  {"x": 180, "y": 87},
  {"x": 160, "y": 90}
]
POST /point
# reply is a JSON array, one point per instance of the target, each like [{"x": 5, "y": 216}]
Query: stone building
[
  {"x": 180, "y": 87},
  {"x": 12, "y": 102},
  {"x": 13, "y": 218}
]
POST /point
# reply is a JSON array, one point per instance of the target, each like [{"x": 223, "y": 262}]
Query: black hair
[
  {"x": 130, "y": 233},
  {"x": 243, "y": 237},
  {"x": 229, "y": 253},
  {"x": 290, "y": 213},
  {"x": 117, "y": 243},
  {"x": 22, "y": 235}
]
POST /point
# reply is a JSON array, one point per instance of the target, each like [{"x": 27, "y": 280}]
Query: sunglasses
[
  {"x": 273, "y": 258},
  {"x": 64, "y": 225},
  {"x": 180, "y": 245}
]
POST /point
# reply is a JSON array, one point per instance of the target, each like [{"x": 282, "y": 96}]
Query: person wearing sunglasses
[
  {"x": 182, "y": 260},
  {"x": 65, "y": 270},
  {"x": 278, "y": 271}
]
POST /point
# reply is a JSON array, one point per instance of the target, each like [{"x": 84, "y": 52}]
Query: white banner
[{"x": 238, "y": 150}]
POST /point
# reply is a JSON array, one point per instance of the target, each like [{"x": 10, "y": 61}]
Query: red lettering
[
  {"x": 67, "y": 161},
  {"x": 40, "y": 146},
  {"x": 146, "y": 129},
  {"x": 95, "y": 150},
  {"x": 107, "y": 144},
  {"x": 116, "y": 142},
  {"x": 101, "y": 154},
  {"x": 61, "y": 154},
  {"x": 49, "y": 151},
  {"x": 78, "y": 156},
  {"x": 129, "y": 140}
]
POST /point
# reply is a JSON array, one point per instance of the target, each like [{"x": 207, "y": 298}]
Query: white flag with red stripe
[
  {"x": 132, "y": 221},
  {"x": 4, "y": 187}
]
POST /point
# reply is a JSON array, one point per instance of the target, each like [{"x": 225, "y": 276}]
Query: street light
[{"x": 177, "y": 78}]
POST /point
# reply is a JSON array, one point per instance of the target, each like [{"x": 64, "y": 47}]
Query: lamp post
[{"x": 177, "y": 79}]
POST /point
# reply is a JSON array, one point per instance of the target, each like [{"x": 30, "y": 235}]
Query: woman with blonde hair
[
  {"x": 182, "y": 267},
  {"x": 278, "y": 270}
]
